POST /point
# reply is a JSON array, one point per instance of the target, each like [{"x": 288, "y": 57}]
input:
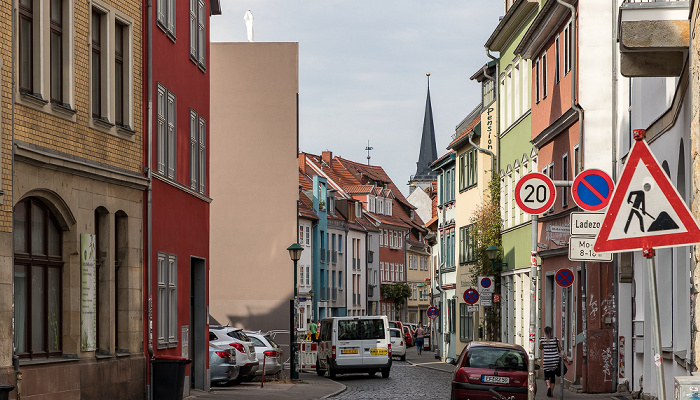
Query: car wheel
[
  {"x": 319, "y": 371},
  {"x": 403, "y": 357},
  {"x": 250, "y": 378},
  {"x": 385, "y": 372}
]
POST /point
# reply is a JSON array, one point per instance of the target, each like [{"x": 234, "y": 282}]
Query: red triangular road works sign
[{"x": 646, "y": 210}]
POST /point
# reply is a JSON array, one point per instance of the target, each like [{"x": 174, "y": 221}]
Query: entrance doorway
[{"x": 198, "y": 315}]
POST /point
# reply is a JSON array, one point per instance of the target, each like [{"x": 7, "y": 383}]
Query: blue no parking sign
[
  {"x": 564, "y": 277},
  {"x": 471, "y": 296},
  {"x": 592, "y": 189}
]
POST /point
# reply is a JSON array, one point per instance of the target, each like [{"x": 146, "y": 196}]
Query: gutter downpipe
[
  {"x": 15, "y": 358},
  {"x": 579, "y": 165},
  {"x": 616, "y": 257},
  {"x": 149, "y": 175}
]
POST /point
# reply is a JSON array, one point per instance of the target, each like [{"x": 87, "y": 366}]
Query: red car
[
  {"x": 408, "y": 335},
  {"x": 490, "y": 365}
]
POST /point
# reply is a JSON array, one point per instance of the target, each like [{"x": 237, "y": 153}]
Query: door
[
  {"x": 199, "y": 351},
  {"x": 375, "y": 342}
]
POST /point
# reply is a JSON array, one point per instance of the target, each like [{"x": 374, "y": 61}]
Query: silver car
[
  {"x": 222, "y": 364},
  {"x": 245, "y": 350},
  {"x": 266, "y": 348}
]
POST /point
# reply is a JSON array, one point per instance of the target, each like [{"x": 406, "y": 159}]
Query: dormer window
[
  {"x": 380, "y": 205},
  {"x": 358, "y": 210},
  {"x": 388, "y": 206},
  {"x": 370, "y": 203}
]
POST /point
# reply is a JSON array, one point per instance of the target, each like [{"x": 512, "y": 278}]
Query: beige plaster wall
[{"x": 254, "y": 182}]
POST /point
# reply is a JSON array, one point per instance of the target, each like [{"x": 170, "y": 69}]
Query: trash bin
[
  {"x": 5, "y": 391},
  {"x": 168, "y": 379}
]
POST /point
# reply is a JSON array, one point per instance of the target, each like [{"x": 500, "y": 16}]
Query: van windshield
[{"x": 360, "y": 329}]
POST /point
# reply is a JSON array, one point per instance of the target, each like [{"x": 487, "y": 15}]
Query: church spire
[{"x": 428, "y": 149}]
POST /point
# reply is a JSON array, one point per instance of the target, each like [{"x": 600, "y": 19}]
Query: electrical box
[{"x": 687, "y": 387}]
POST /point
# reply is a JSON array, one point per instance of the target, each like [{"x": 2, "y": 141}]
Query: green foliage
[
  {"x": 397, "y": 292},
  {"x": 487, "y": 228}
]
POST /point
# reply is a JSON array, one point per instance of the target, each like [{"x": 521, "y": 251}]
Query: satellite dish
[{"x": 249, "y": 24}]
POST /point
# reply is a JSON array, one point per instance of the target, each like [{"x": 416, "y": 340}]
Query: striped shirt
[{"x": 550, "y": 353}]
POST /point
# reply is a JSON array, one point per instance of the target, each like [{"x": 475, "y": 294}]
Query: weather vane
[{"x": 368, "y": 148}]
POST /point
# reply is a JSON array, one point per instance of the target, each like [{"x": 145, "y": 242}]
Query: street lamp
[
  {"x": 295, "y": 254},
  {"x": 492, "y": 252}
]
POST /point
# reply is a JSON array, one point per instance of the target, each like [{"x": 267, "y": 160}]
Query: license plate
[
  {"x": 495, "y": 379},
  {"x": 378, "y": 351},
  {"x": 348, "y": 351}
]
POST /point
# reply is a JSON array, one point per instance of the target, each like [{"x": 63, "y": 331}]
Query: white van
[{"x": 354, "y": 344}]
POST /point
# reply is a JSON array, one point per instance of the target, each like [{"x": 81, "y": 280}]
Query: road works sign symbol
[
  {"x": 534, "y": 193},
  {"x": 432, "y": 312},
  {"x": 592, "y": 189},
  {"x": 471, "y": 296},
  {"x": 646, "y": 210},
  {"x": 564, "y": 277}
]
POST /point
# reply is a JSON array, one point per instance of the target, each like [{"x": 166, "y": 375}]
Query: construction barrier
[{"x": 307, "y": 355}]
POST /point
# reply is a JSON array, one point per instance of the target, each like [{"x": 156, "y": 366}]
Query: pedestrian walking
[
  {"x": 419, "y": 334},
  {"x": 312, "y": 330},
  {"x": 551, "y": 352}
]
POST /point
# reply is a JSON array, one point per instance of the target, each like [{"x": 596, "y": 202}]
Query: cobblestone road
[{"x": 406, "y": 381}]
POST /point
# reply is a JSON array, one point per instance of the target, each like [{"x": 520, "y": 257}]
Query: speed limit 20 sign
[{"x": 534, "y": 193}]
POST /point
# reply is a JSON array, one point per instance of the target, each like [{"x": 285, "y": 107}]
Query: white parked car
[
  {"x": 267, "y": 348},
  {"x": 246, "y": 358},
  {"x": 398, "y": 345}
]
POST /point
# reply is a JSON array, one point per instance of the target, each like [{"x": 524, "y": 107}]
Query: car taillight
[
  {"x": 462, "y": 375},
  {"x": 333, "y": 352},
  {"x": 525, "y": 383},
  {"x": 270, "y": 353},
  {"x": 223, "y": 354},
  {"x": 238, "y": 347},
  {"x": 401, "y": 344},
  {"x": 389, "y": 350}
]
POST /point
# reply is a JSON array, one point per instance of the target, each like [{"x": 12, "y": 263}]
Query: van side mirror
[{"x": 450, "y": 360}]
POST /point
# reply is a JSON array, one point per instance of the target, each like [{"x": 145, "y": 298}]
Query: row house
[
  {"x": 177, "y": 202},
  {"x": 517, "y": 157},
  {"x": 565, "y": 80},
  {"x": 72, "y": 198},
  {"x": 659, "y": 70},
  {"x": 306, "y": 220},
  {"x": 444, "y": 251}
]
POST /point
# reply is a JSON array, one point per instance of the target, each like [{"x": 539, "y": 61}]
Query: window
[
  {"x": 111, "y": 71},
  {"x": 340, "y": 243},
  {"x": 550, "y": 173},
  {"x": 567, "y": 48},
  {"x": 340, "y": 280},
  {"x": 38, "y": 271},
  {"x": 556, "y": 60},
  {"x": 388, "y": 206},
  {"x": 441, "y": 187},
  {"x": 166, "y": 16},
  {"x": 198, "y": 153},
  {"x": 167, "y": 132},
  {"x": 466, "y": 323},
  {"x": 308, "y": 237},
  {"x": 467, "y": 244},
  {"x": 544, "y": 75},
  {"x": 577, "y": 167},
  {"x": 96, "y": 65},
  {"x": 198, "y": 32},
  {"x": 56, "y": 51},
  {"x": 537, "y": 81},
  {"x": 391, "y": 239},
  {"x": 308, "y": 275},
  {"x": 167, "y": 300},
  {"x": 301, "y": 234},
  {"x": 381, "y": 238},
  {"x": 565, "y": 177},
  {"x": 26, "y": 45},
  {"x": 358, "y": 210},
  {"x": 370, "y": 203},
  {"x": 467, "y": 165},
  {"x": 380, "y": 206}
]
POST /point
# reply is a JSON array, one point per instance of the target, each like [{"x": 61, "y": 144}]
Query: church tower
[{"x": 428, "y": 151}]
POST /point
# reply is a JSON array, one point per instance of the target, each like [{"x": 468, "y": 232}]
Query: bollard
[{"x": 262, "y": 381}]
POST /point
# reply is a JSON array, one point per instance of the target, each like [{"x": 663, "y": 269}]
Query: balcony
[{"x": 654, "y": 37}]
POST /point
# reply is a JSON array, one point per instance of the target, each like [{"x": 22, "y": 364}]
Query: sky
[{"x": 363, "y": 65}]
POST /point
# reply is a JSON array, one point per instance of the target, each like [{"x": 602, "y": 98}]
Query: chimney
[
  {"x": 302, "y": 162},
  {"x": 327, "y": 156}
]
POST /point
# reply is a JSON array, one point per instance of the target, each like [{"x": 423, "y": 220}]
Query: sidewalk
[
  {"x": 427, "y": 360},
  {"x": 310, "y": 386}
]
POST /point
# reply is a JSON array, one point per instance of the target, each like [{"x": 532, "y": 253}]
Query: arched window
[{"x": 38, "y": 280}]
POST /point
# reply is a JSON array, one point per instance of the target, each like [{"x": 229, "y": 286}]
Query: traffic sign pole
[
  {"x": 533, "y": 312},
  {"x": 655, "y": 327}
]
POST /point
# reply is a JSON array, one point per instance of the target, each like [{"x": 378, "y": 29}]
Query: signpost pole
[
  {"x": 655, "y": 327},
  {"x": 533, "y": 311},
  {"x": 563, "y": 329}
]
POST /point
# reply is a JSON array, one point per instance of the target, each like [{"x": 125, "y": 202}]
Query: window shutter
[
  {"x": 161, "y": 129},
  {"x": 172, "y": 136},
  {"x": 162, "y": 305},
  {"x": 171, "y": 16},
  {"x": 202, "y": 155},
  {"x": 172, "y": 298},
  {"x": 193, "y": 150},
  {"x": 202, "y": 34},
  {"x": 160, "y": 12},
  {"x": 193, "y": 29}
]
